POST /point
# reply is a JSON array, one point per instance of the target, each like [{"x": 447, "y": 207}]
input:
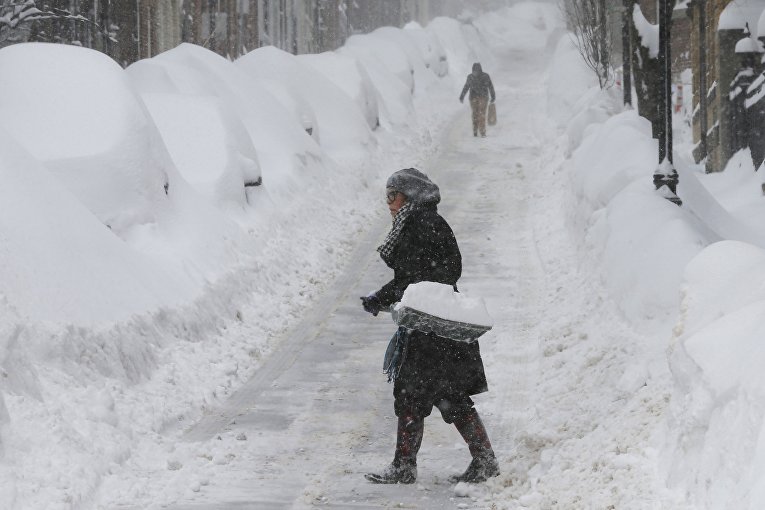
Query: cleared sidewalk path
[{"x": 319, "y": 414}]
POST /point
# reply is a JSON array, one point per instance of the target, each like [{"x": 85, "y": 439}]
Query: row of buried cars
[{"x": 121, "y": 139}]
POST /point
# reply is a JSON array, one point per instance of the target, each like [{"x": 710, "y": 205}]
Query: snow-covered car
[
  {"x": 460, "y": 55},
  {"x": 381, "y": 49},
  {"x": 207, "y": 141},
  {"x": 398, "y": 38},
  {"x": 75, "y": 111},
  {"x": 351, "y": 77},
  {"x": 343, "y": 129},
  {"x": 430, "y": 47},
  {"x": 254, "y": 124},
  {"x": 394, "y": 98}
]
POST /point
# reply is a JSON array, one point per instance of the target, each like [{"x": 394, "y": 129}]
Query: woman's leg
[
  {"x": 484, "y": 464},
  {"x": 483, "y": 105},
  {"x": 411, "y": 410},
  {"x": 403, "y": 469},
  {"x": 459, "y": 410},
  {"x": 476, "y": 111}
]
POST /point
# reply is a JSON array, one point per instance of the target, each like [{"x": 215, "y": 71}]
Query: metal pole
[
  {"x": 702, "y": 10},
  {"x": 665, "y": 177},
  {"x": 668, "y": 78},
  {"x": 627, "y": 51},
  {"x": 662, "y": 88}
]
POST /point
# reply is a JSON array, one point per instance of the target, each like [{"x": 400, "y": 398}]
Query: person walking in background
[
  {"x": 427, "y": 370},
  {"x": 481, "y": 89}
]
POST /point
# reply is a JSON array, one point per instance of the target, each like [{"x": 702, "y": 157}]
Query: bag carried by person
[{"x": 492, "y": 120}]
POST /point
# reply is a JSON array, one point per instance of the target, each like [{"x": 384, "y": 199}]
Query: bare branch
[{"x": 587, "y": 19}]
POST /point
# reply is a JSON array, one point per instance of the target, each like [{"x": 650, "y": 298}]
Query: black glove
[{"x": 371, "y": 304}]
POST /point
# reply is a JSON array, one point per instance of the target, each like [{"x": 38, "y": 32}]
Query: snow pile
[
  {"x": 660, "y": 262},
  {"x": 574, "y": 99},
  {"x": 641, "y": 241},
  {"x": 717, "y": 416},
  {"x": 442, "y": 301},
  {"x": 731, "y": 201}
]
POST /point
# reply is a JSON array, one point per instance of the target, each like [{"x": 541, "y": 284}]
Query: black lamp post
[
  {"x": 665, "y": 177},
  {"x": 627, "y": 50}
]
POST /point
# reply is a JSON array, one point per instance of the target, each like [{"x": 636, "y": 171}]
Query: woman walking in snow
[
  {"x": 480, "y": 86},
  {"x": 427, "y": 370}
]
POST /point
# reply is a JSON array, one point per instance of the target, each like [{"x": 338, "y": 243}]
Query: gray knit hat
[{"x": 417, "y": 187}]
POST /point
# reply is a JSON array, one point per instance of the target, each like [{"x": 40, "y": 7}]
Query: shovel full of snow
[{"x": 436, "y": 308}]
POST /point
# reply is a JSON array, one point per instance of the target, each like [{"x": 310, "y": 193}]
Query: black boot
[
  {"x": 484, "y": 464},
  {"x": 403, "y": 469}
]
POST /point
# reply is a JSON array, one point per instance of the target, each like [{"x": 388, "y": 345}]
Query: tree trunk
[
  {"x": 647, "y": 76},
  {"x": 604, "y": 56},
  {"x": 627, "y": 22}
]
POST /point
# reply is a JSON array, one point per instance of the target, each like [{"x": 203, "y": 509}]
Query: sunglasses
[{"x": 390, "y": 196}]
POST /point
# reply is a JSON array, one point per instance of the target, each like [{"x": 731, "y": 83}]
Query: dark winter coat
[
  {"x": 479, "y": 84},
  {"x": 433, "y": 368}
]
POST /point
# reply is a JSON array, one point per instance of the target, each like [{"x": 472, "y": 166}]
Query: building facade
[{"x": 718, "y": 26}]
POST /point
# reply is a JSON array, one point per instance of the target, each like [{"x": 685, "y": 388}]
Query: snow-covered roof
[
  {"x": 749, "y": 45},
  {"x": 738, "y": 13}
]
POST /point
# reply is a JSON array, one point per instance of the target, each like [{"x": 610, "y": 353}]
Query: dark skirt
[{"x": 439, "y": 372}]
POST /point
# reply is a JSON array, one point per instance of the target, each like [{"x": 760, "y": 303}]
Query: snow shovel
[
  {"x": 436, "y": 308},
  {"x": 418, "y": 320}
]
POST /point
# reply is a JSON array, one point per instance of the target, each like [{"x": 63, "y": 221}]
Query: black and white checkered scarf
[{"x": 391, "y": 240}]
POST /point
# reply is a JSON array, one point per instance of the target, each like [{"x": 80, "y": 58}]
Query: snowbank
[
  {"x": 640, "y": 241},
  {"x": 717, "y": 416},
  {"x": 669, "y": 275},
  {"x": 144, "y": 274},
  {"x": 571, "y": 90}
]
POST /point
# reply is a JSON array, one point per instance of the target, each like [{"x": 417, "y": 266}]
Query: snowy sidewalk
[{"x": 319, "y": 415}]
